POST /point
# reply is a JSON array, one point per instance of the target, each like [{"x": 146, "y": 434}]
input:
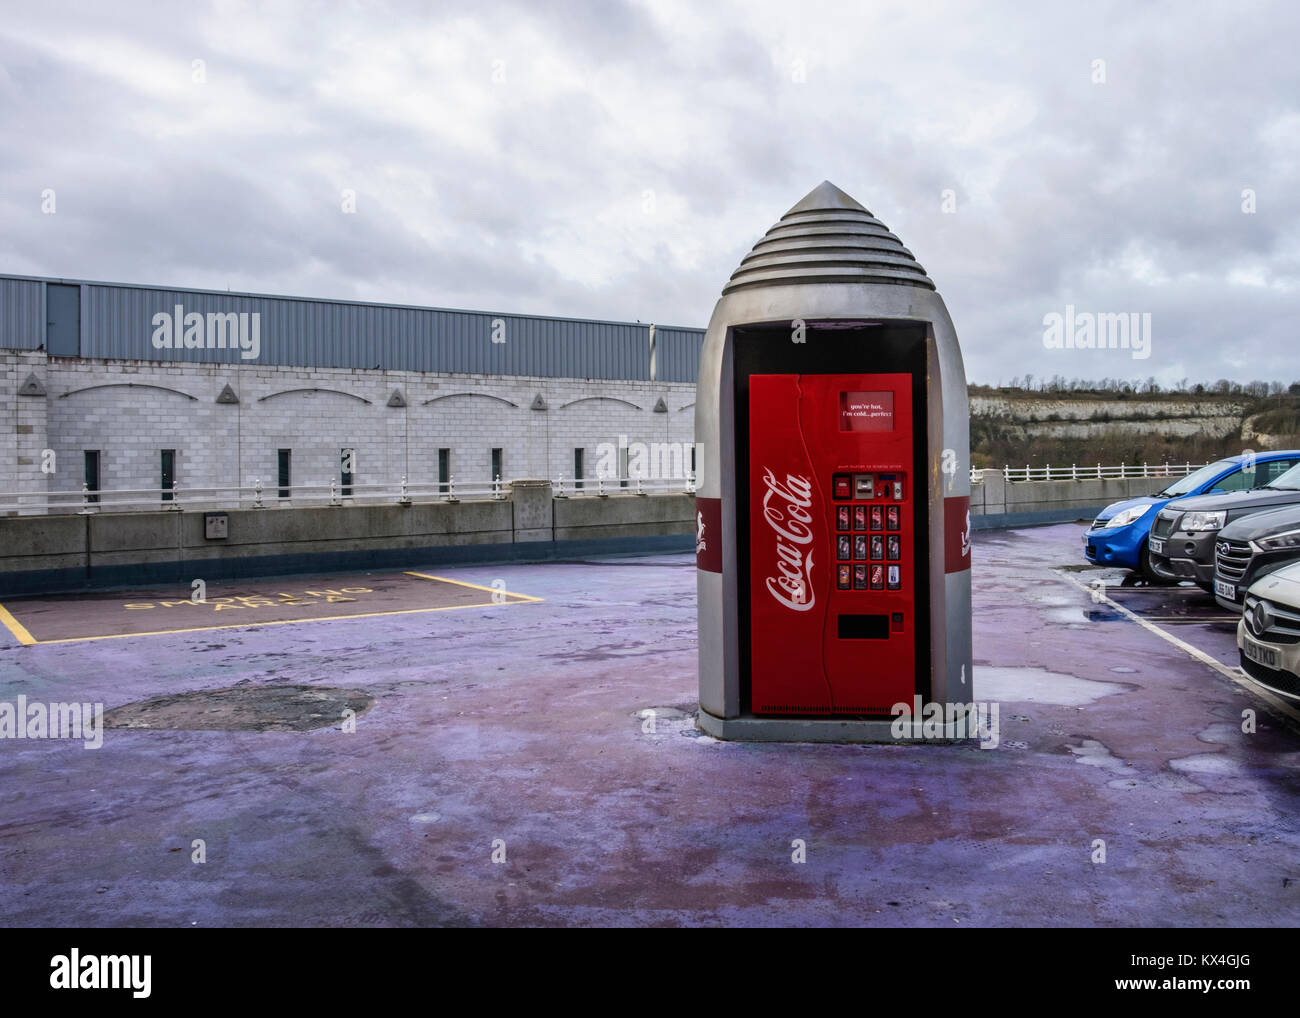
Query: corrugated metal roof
[
  {"x": 118, "y": 322},
  {"x": 21, "y": 322},
  {"x": 677, "y": 353}
]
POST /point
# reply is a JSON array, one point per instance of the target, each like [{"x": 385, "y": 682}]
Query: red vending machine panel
[{"x": 831, "y": 543}]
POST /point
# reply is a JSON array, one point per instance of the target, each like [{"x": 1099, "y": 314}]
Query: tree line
[{"x": 1257, "y": 389}]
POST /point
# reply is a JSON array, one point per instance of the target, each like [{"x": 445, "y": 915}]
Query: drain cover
[{"x": 244, "y": 709}]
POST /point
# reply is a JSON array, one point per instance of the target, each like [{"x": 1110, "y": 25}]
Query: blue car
[{"x": 1118, "y": 536}]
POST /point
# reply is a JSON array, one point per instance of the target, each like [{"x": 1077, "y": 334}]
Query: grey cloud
[{"x": 1060, "y": 183}]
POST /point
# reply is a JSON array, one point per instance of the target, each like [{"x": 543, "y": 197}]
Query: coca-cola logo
[{"x": 785, "y": 507}]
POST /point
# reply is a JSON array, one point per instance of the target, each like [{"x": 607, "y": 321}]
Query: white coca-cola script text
[{"x": 785, "y": 507}]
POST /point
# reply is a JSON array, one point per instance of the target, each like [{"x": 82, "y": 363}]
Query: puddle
[
  {"x": 1096, "y": 754},
  {"x": 1037, "y": 685},
  {"x": 1071, "y": 618},
  {"x": 1221, "y": 734},
  {"x": 661, "y": 714},
  {"x": 1207, "y": 763}
]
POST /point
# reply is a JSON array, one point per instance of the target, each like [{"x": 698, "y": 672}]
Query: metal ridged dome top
[{"x": 828, "y": 238}]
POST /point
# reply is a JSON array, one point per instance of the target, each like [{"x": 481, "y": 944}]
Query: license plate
[
  {"x": 1261, "y": 655},
  {"x": 1225, "y": 589},
  {"x": 1157, "y": 546}
]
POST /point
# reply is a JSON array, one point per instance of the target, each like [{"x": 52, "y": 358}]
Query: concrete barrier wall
[
  {"x": 48, "y": 553},
  {"x": 51, "y": 553},
  {"x": 997, "y": 502}
]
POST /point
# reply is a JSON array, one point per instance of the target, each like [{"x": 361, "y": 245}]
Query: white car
[{"x": 1268, "y": 635}]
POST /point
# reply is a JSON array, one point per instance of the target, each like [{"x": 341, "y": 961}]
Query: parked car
[
  {"x": 1252, "y": 547},
  {"x": 1268, "y": 635},
  {"x": 1118, "y": 536},
  {"x": 1184, "y": 532}
]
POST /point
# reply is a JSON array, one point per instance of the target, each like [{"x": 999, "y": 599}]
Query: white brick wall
[
  {"x": 23, "y": 425},
  {"x": 131, "y": 410}
]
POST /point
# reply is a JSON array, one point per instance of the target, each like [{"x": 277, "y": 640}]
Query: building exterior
[{"x": 119, "y": 386}]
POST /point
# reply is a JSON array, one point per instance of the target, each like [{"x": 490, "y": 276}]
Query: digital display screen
[{"x": 866, "y": 411}]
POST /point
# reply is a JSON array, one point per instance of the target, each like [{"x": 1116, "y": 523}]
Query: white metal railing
[
  {"x": 265, "y": 496},
  {"x": 1090, "y": 472},
  {"x": 565, "y": 487}
]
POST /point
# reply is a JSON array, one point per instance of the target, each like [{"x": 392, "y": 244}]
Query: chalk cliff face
[{"x": 1061, "y": 417}]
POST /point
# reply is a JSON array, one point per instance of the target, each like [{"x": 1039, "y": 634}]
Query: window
[
  {"x": 347, "y": 467},
  {"x": 284, "y": 458},
  {"x": 577, "y": 468},
  {"x": 1237, "y": 481},
  {"x": 444, "y": 470},
  {"x": 90, "y": 459},
  {"x": 622, "y": 466},
  {"x": 168, "y": 471},
  {"x": 496, "y": 463},
  {"x": 1267, "y": 473}
]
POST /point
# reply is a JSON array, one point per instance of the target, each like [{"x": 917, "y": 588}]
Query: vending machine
[
  {"x": 833, "y": 528},
  {"x": 832, "y": 552}
]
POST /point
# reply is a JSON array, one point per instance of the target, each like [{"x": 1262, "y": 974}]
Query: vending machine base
[{"x": 872, "y": 730}]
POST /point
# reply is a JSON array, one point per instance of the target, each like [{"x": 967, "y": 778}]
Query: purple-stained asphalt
[{"x": 517, "y": 732}]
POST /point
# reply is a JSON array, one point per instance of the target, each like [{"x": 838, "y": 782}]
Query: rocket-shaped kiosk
[{"x": 833, "y": 508}]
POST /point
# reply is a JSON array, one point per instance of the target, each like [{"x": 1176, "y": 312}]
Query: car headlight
[
  {"x": 1127, "y": 516},
  {"x": 1289, "y": 541},
  {"x": 1192, "y": 522}
]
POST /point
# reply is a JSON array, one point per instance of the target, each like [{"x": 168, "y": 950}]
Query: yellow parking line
[
  {"x": 1235, "y": 674},
  {"x": 475, "y": 586},
  {"x": 16, "y": 627},
  {"x": 254, "y": 625}
]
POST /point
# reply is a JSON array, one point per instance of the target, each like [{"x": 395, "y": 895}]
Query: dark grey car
[
  {"x": 1184, "y": 533},
  {"x": 1251, "y": 547}
]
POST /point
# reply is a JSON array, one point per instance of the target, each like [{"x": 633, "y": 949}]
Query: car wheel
[{"x": 1149, "y": 572}]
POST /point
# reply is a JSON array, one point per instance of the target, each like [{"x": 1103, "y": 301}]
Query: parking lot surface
[
  {"x": 496, "y": 765},
  {"x": 231, "y": 605}
]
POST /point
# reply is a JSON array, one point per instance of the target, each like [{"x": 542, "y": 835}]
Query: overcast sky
[{"x": 616, "y": 161}]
